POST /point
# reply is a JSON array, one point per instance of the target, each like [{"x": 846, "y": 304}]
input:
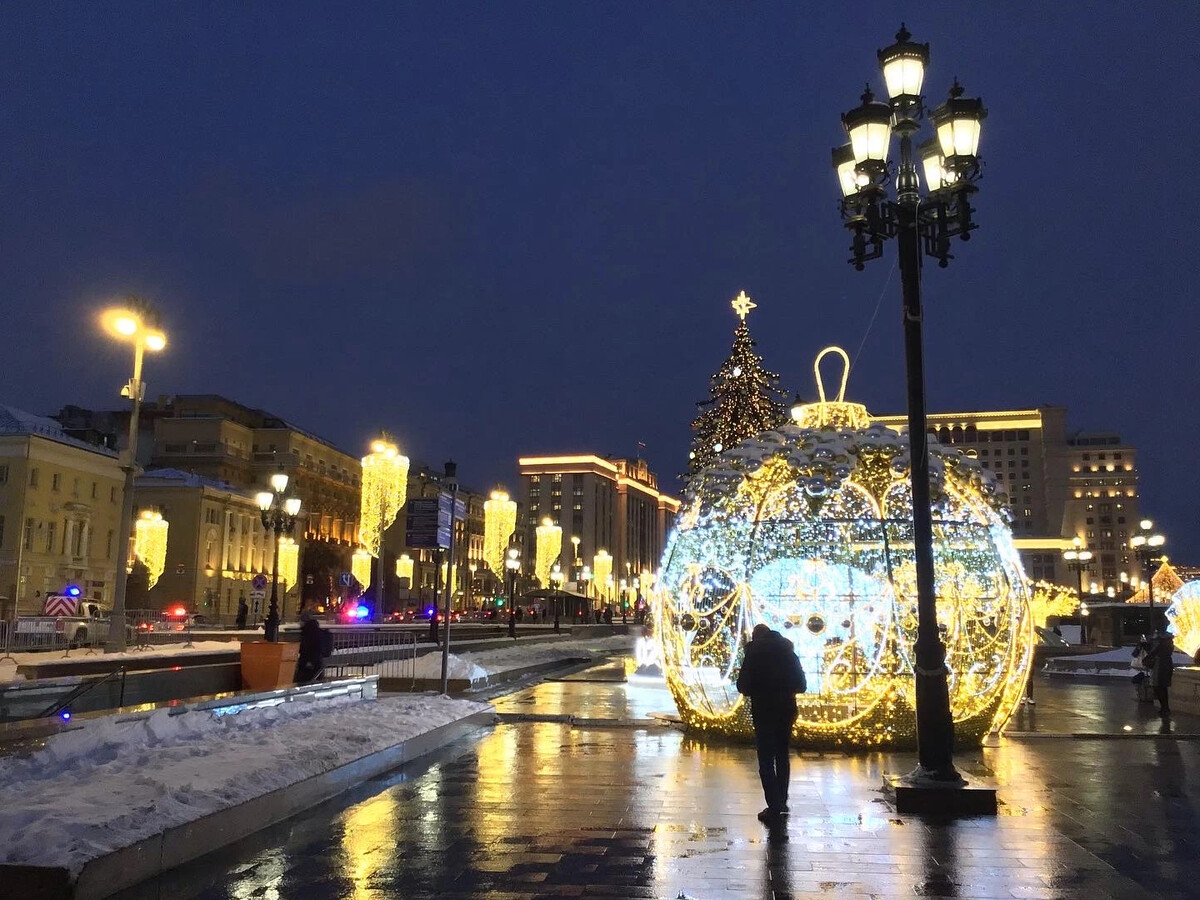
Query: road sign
[
  {"x": 257, "y": 595},
  {"x": 345, "y": 579},
  {"x": 259, "y": 582}
]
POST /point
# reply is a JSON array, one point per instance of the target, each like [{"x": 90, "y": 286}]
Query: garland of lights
[
  {"x": 549, "y": 548},
  {"x": 602, "y": 564},
  {"x": 1184, "y": 617},
  {"x": 404, "y": 567},
  {"x": 1047, "y": 599},
  {"x": 289, "y": 560},
  {"x": 150, "y": 542},
  {"x": 808, "y": 528},
  {"x": 384, "y": 490},
  {"x": 360, "y": 566},
  {"x": 499, "y": 522}
]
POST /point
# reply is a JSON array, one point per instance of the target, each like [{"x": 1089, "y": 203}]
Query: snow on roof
[
  {"x": 15, "y": 421},
  {"x": 186, "y": 479}
]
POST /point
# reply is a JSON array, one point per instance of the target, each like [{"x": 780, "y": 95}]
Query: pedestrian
[
  {"x": 311, "y": 661},
  {"x": 608, "y": 615},
  {"x": 1160, "y": 662},
  {"x": 771, "y": 677},
  {"x": 242, "y": 613}
]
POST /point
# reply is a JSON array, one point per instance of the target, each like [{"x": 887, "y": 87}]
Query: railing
[
  {"x": 386, "y": 652},
  {"x": 5, "y": 631},
  {"x": 58, "y": 706}
]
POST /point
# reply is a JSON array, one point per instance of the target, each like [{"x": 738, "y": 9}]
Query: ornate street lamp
[
  {"x": 586, "y": 577},
  {"x": 512, "y": 567},
  {"x": 1147, "y": 544},
  {"x": 556, "y": 579},
  {"x": 278, "y": 516},
  {"x": 1079, "y": 560},
  {"x": 921, "y": 221},
  {"x": 134, "y": 321}
]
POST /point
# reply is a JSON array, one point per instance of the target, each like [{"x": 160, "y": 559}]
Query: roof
[
  {"x": 15, "y": 421},
  {"x": 184, "y": 479}
]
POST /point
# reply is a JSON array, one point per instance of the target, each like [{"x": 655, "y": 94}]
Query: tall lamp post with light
[
  {"x": 278, "y": 517},
  {"x": 556, "y": 579},
  {"x": 512, "y": 566},
  {"x": 1147, "y": 544},
  {"x": 923, "y": 222},
  {"x": 134, "y": 321},
  {"x": 1078, "y": 560},
  {"x": 586, "y": 577}
]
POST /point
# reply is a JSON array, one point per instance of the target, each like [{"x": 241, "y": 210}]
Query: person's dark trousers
[
  {"x": 771, "y": 737},
  {"x": 1164, "y": 704}
]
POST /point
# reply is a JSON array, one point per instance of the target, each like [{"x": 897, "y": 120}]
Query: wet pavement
[{"x": 537, "y": 809}]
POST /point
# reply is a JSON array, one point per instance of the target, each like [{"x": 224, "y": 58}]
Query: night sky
[{"x": 509, "y": 228}]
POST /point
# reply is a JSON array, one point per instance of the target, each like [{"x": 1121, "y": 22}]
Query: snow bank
[
  {"x": 477, "y": 665},
  {"x": 112, "y": 783},
  {"x": 1116, "y": 663}
]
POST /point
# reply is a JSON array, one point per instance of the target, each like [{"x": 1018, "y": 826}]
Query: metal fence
[{"x": 387, "y": 652}]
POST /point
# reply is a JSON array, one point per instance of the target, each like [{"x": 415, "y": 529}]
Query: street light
[
  {"x": 556, "y": 579},
  {"x": 575, "y": 573},
  {"x": 278, "y": 516},
  {"x": 512, "y": 565},
  {"x": 586, "y": 577},
  {"x": 921, "y": 222},
  {"x": 1146, "y": 545},
  {"x": 1079, "y": 560},
  {"x": 134, "y": 321}
]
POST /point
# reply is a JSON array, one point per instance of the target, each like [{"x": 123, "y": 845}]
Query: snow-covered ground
[
  {"x": 1109, "y": 664},
  {"x": 109, "y": 784},
  {"x": 478, "y": 665}
]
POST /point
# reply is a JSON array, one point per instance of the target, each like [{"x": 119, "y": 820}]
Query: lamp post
[
  {"x": 136, "y": 322},
  {"x": 1079, "y": 560},
  {"x": 278, "y": 516},
  {"x": 920, "y": 222},
  {"x": 575, "y": 575},
  {"x": 586, "y": 577},
  {"x": 472, "y": 568},
  {"x": 512, "y": 565},
  {"x": 556, "y": 579},
  {"x": 1146, "y": 544}
]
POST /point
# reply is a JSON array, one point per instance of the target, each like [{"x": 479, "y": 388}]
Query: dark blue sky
[{"x": 510, "y": 228}]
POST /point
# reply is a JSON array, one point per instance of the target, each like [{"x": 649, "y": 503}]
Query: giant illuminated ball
[{"x": 808, "y": 528}]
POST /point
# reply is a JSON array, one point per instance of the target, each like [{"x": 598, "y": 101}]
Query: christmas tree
[{"x": 745, "y": 401}]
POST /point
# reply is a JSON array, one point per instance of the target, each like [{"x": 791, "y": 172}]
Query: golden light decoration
[
  {"x": 360, "y": 566},
  {"x": 499, "y": 522},
  {"x": 1184, "y": 617},
  {"x": 384, "y": 490},
  {"x": 150, "y": 542},
  {"x": 602, "y": 564},
  {"x": 549, "y": 548},
  {"x": 289, "y": 561},
  {"x": 1166, "y": 582},
  {"x": 404, "y": 568},
  {"x": 808, "y": 528},
  {"x": 453, "y": 578},
  {"x": 1047, "y": 599}
]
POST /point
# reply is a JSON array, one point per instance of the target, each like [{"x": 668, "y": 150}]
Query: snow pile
[
  {"x": 478, "y": 665},
  {"x": 1110, "y": 663},
  {"x": 112, "y": 783}
]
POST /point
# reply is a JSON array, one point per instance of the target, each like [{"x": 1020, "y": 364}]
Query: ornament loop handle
[{"x": 845, "y": 373}]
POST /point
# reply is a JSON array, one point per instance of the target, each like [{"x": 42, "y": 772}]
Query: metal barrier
[
  {"x": 5, "y": 632},
  {"x": 386, "y": 652}
]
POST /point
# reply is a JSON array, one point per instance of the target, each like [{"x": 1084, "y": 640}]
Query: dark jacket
[
  {"x": 1161, "y": 662},
  {"x": 771, "y": 676},
  {"x": 309, "y": 662}
]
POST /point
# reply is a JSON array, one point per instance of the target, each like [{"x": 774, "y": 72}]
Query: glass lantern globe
[{"x": 903, "y": 66}]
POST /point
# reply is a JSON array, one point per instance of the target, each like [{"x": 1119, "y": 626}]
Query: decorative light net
[
  {"x": 1183, "y": 615},
  {"x": 499, "y": 522},
  {"x": 150, "y": 542},
  {"x": 384, "y": 490},
  {"x": 808, "y": 528}
]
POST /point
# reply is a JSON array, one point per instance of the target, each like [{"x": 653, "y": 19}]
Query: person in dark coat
[
  {"x": 1160, "y": 662},
  {"x": 242, "y": 613},
  {"x": 311, "y": 661},
  {"x": 771, "y": 677}
]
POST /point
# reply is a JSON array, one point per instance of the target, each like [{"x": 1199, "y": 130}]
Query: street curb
[
  {"x": 462, "y": 685},
  {"x": 154, "y": 855}
]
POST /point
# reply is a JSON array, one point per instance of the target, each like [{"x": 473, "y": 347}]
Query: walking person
[
  {"x": 242, "y": 613},
  {"x": 771, "y": 677},
  {"x": 1161, "y": 663},
  {"x": 314, "y": 647}
]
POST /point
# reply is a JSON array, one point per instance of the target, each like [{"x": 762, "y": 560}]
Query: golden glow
[
  {"x": 1165, "y": 581},
  {"x": 121, "y": 323},
  {"x": 360, "y": 566},
  {"x": 289, "y": 560},
  {"x": 1184, "y": 616},
  {"x": 566, "y": 461},
  {"x": 155, "y": 341},
  {"x": 384, "y": 490},
  {"x": 997, "y": 420},
  {"x": 831, "y": 413},
  {"x": 404, "y": 568},
  {"x": 150, "y": 542},
  {"x": 453, "y": 577},
  {"x": 602, "y": 564},
  {"x": 549, "y": 548},
  {"x": 742, "y": 304},
  {"x": 1047, "y": 599},
  {"x": 499, "y": 522}
]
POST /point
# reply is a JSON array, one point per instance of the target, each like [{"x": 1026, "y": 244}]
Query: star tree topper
[{"x": 742, "y": 304}]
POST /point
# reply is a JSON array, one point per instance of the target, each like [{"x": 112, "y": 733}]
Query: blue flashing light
[
  {"x": 429, "y": 612},
  {"x": 65, "y": 715},
  {"x": 73, "y": 591},
  {"x": 361, "y": 612}
]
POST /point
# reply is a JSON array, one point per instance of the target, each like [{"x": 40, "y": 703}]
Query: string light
[
  {"x": 808, "y": 528},
  {"x": 384, "y": 490},
  {"x": 289, "y": 560},
  {"x": 150, "y": 542},
  {"x": 499, "y": 522},
  {"x": 602, "y": 564},
  {"x": 360, "y": 566},
  {"x": 404, "y": 567},
  {"x": 1184, "y": 617},
  {"x": 1047, "y": 599},
  {"x": 549, "y": 548},
  {"x": 1166, "y": 582}
]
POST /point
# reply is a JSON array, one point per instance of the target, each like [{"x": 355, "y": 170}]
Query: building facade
[
  {"x": 610, "y": 505},
  {"x": 60, "y": 513},
  {"x": 216, "y": 544},
  {"x": 1060, "y": 485}
]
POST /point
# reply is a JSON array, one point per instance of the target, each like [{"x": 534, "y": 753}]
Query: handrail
[{"x": 83, "y": 689}]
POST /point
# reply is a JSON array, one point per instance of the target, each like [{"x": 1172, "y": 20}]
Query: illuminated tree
[
  {"x": 745, "y": 398},
  {"x": 1166, "y": 582},
  {"x": 1046, "y": 599}
]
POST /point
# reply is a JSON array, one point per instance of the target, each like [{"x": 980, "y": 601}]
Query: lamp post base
[{"x": 919, "y": 793}]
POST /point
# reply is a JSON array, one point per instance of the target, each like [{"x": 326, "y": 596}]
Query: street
[{"x": 541, "y": 809}]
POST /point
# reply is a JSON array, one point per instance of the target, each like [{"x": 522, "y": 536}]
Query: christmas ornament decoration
[
  {"x": 499, "y": 522},
  {"x": 150, "y": 542},
  {"x": 745, "y": 398},
  {"x": 807, "y": 527},
  {"x": 1183, "y": 617}
]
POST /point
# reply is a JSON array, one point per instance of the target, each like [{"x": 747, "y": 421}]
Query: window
[
  {"x": 1, "y": 532},
  {"x": 50, "y": 526},
  {"x": 1117, "y": 456},
  {"x": 28, "y": 539},
  {"x": 108, "y": 545},
  {"x": 33, "y": 477},
  {"x": 1012, "y": 451},
  {"x": 1087, "y": 456},
  {"x": 1090, "y": 521},
  {"x": 3, "y": 474},
  {"x": 1120, "y": 519},
  {"x": 1024, "y": 451},
  {"x": 1102, "y": 456},
  {"x": 93, "y": 490},
  {"x": 556, "y": 478}
]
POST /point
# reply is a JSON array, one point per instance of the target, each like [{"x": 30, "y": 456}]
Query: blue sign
[
  {"x": 429, "y": 522},
  {"x": 345, "y": 579}
]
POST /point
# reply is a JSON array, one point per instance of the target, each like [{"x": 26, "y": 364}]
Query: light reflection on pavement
[{"x": 540, "y": 808}]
